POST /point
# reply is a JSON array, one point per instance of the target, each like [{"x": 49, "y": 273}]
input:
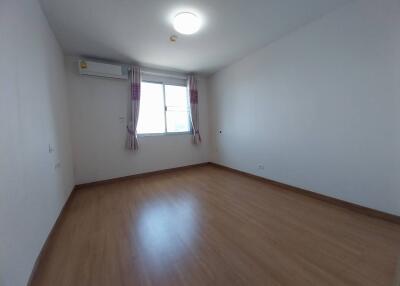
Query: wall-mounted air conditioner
[{"x": 93, "y": 68}]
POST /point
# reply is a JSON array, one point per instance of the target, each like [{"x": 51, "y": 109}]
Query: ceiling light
[{"x": 186, "y": 23}]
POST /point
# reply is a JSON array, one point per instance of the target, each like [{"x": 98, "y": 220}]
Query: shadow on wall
[{"x": 60, "y": 143}]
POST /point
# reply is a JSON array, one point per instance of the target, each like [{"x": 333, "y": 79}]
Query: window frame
[{"x": 166, "y": 133}]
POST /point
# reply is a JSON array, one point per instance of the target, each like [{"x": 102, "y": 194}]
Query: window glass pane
[
  {"x": 176, "y": 99},
  {"x": 151, "y": 114},
  {"x": 176, "y": 96},
  {"x": 178, "y": 121}
]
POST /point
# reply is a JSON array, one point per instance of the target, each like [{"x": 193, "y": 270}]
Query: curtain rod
[{"x": 162, "y": 73}]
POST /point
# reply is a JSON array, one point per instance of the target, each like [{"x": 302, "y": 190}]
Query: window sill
[{"x": 164, "y": 134}]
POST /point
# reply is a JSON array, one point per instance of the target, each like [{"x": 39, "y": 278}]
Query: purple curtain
[
  {"x": 133, "y": 110},
  {"x": 194, "y": 112}
]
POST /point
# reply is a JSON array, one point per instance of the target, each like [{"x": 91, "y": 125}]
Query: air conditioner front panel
[{"x": 102, "y": 69}]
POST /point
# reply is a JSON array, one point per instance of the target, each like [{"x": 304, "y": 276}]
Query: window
[
  {"x": 151, "y": 113},
  {"x": 177, "y": 108},
  {"x": 164, "y": 108}
]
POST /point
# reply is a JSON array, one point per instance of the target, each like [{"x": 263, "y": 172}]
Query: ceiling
[{"x": 139, "y": 30}]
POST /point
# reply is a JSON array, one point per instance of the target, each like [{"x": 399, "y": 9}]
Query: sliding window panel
[
  {"x": 177, "y": 108},
  {"x": 151, "y": 115}
]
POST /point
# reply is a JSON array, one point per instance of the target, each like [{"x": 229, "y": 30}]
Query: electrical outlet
[{"x": 260, "y": 167}]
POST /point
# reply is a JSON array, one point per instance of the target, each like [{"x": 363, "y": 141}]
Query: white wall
[
  {"x": 319, "y": 108},
  {"x": 33, "y": 114},
  {"x": 97, "y": 104}
]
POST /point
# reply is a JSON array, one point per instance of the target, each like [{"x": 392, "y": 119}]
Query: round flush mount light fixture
[{"x": 186, "y": 23}]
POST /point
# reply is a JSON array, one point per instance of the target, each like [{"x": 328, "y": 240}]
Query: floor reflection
[{"x": 166, "y": 229}]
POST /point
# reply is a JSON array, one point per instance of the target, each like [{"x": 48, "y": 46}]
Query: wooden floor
[{"x": 210, "y": 226}]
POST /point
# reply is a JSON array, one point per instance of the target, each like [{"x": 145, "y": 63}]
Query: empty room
[{"x": 200, "y": 142}]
